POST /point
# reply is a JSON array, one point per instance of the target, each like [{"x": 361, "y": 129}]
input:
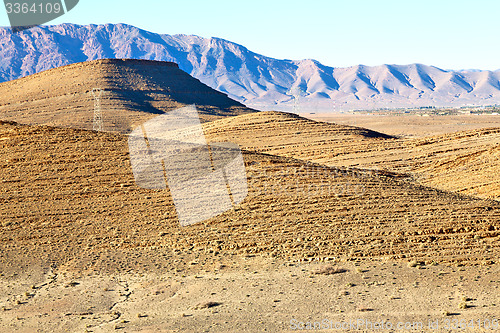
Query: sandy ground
[
  {"x": 83, "y": 249},
  {"x": 256, "y": 294},
  {"x": 412, "y": 125}
]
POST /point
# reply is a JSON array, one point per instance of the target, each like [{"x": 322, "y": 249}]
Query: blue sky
[{"x": 448, "y": 34}]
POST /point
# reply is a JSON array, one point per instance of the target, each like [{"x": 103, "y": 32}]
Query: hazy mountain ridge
[{"x": 256, "y": 80}]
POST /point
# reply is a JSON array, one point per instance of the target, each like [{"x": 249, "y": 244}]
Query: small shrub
[
  {"x": 413, "y": 263},
  {"x": 206, "y": 305},
  {"x": 364, "y": 309},
  {"x": 328, "y": 270}
]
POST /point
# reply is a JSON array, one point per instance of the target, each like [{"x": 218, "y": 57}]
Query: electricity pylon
[{"x": 98, "y": 124}]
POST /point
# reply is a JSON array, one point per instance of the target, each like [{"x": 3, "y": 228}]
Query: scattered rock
[{"x": 206, "y": 305}]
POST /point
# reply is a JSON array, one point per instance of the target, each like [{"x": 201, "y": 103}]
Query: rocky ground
[
  {"x": 229, "y": 293},
  {"x": 84, "y": 248}
]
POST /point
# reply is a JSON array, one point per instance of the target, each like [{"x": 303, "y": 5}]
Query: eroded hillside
[{"x": 68, "y": 199}]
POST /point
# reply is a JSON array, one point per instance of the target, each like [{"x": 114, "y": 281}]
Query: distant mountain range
[{"x": 257, "y": 81}]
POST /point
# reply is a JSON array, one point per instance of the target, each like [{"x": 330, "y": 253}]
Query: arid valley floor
[{"x": 343, "y": 222}]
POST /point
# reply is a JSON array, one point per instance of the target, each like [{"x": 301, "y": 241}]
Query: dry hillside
[
  {"x": 465, "y": 162},
  {"x": 132, "y": 91},
  {"x": 68, "y": 198},
  {"x": 411, "y": 225}
]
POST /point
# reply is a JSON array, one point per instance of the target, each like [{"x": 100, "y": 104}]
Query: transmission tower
[
  {"x": 297, "y": 93},
  {"x": 98, "y": 124}
]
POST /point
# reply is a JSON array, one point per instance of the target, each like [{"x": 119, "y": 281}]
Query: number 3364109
[{"x": 25, "y": 8}]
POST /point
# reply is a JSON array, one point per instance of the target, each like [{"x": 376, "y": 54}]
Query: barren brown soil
[
  {"x": 71, "y": 212},
  {"x": 411, "y": 125},
  {"x": 465, "y": 162},
  {"x": 133, "y": 91},
  {"x": 341, "y": 223}
]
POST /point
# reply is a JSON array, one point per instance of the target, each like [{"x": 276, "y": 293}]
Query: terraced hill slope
[
  {"x": 68, "y": 199},
  {"x": 132, "y": 92},
  {"x": 287, "y": 134},
  {"x": 82, "y": 247},
  {"x": 465, "y": 162}
]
